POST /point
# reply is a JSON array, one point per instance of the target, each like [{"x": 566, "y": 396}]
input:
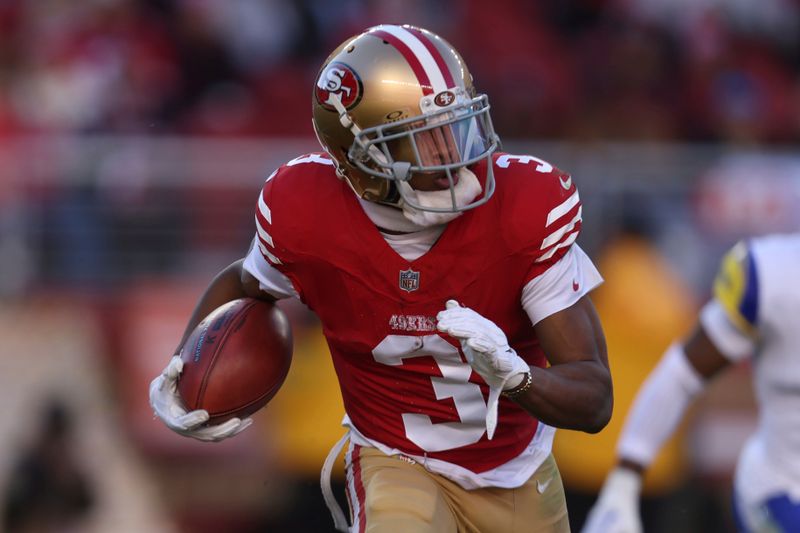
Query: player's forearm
[
  {"x": 575, "y": 395},
  {"x": 225, "y": 287}
]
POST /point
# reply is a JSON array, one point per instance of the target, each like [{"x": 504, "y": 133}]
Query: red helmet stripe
[
  {"x": 410, "y": 57},
  {"x": 437, "y": 56}
]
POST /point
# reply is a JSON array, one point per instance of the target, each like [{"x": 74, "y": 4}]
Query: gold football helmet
[{"x": 397, "y": 101}]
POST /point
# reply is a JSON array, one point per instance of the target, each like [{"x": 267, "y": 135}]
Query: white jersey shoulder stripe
[
  {"x": 556, "y": 236},
  {"x": 263, "y": 234},
  {"x": 321, "y": 159},
  {"x": 264, "y": 238},
  {"x": 268, "y": 255},
  {"x": 563, "y": 208},
  {"x": 264, "y": 209},
  {"x": 566, "y": 242}
]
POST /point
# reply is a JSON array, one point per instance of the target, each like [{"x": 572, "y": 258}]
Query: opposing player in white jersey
[
  {"x": 755, "y": 313},
  {"x": 449, "y": 288}
]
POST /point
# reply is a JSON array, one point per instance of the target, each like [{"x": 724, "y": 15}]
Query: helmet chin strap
[{"x": 465, "y": 191}]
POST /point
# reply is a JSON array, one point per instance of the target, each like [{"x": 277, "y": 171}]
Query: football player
[
  {"x": 754, "y": 313},
  {"x": 449, "y": 286}
]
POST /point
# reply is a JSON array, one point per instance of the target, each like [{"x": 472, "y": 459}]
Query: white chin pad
[{"x": 466, "y": 190}]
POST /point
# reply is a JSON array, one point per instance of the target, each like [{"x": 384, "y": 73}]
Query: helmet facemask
[{"x": 437, "y": 143}]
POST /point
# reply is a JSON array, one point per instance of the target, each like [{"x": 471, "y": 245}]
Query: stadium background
[{"x": 135, "y": 135}]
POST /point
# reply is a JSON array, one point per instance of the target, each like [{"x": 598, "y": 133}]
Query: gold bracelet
[{"x": 519, "y": 389}]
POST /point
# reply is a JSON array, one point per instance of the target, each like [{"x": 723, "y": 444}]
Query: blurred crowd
[{"x": 707, "y": 70}]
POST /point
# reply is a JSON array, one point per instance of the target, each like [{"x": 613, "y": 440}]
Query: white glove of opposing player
[
  {"x": 617, "y": 507},
  {"x": 169, "y": 407},
  {"x": 487, "y": 351}
]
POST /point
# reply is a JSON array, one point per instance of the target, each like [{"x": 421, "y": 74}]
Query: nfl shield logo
[{"x": 409, "y": 280}]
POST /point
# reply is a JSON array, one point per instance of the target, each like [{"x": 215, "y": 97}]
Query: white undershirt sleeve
[
  {"x": 270, "y": 279},
  {"x": 561, "y": 285},
  {"x": 659, "y": 406}
]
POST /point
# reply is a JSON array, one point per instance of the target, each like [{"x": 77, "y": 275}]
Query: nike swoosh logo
[
  {"x": 566, "y": 183},
  {"x": 541, "y": 487}
]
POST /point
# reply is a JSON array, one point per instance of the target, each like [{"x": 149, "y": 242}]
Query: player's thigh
[
  {"x": 388, "y": 494},
  {"x": 540, "y": 503},
  {"x": 537, "y": 506}
]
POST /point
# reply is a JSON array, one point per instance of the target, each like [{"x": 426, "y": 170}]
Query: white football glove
[
  {"x": 169, "y": 407},
  {"x": 617, "y": 507},
  {"x": 487, "y": 351}
]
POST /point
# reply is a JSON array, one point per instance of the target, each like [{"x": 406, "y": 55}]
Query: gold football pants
[{"x": 394, "y": 494}]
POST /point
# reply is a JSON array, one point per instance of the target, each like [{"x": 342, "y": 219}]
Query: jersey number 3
[{"x": 454, "y": 383}]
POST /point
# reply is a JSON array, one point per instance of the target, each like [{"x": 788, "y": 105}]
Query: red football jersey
[{"x": 404, "y": 384}]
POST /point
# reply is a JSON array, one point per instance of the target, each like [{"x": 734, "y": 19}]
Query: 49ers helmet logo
[
  {"x": 444, "y": 98},
  {"x": 341, "y": 80}
]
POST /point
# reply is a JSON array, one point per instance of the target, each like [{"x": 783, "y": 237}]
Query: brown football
[{"x": 236, "y": 359}]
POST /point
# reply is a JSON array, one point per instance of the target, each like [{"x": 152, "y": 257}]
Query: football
[{"x": 236, "y": 359}]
